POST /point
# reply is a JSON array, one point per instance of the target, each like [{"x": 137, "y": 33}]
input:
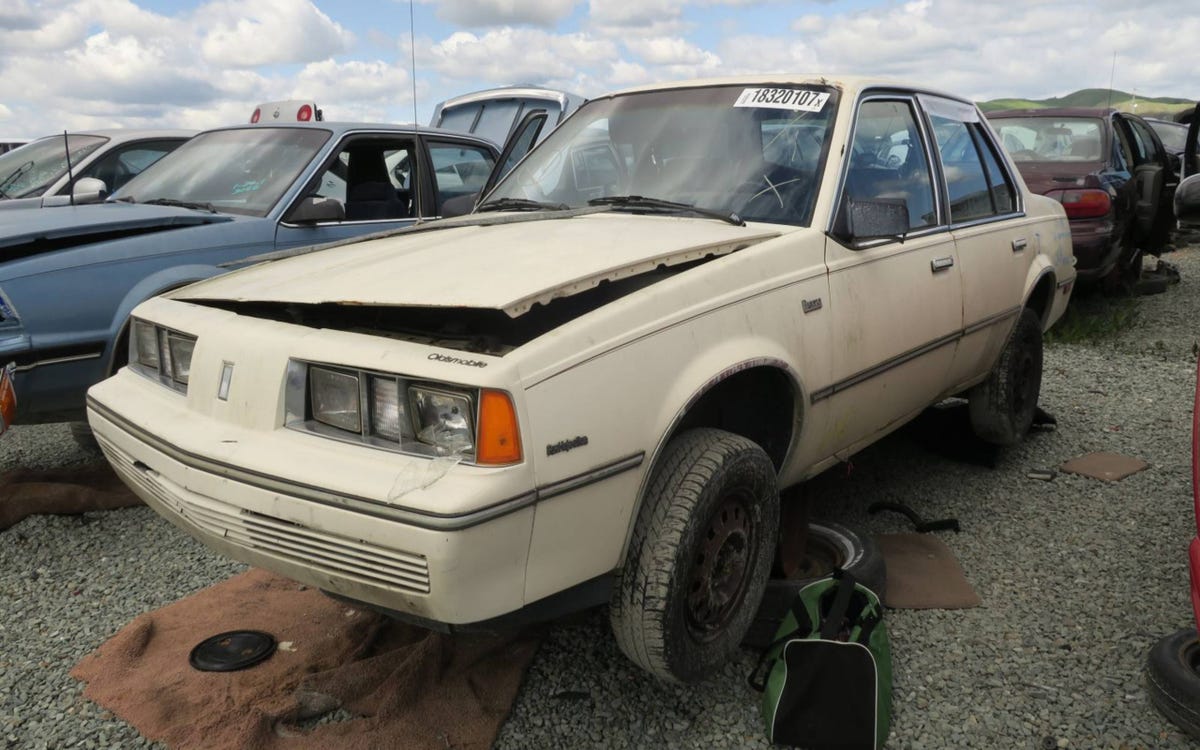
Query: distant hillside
[{"x": 1122, "y": 100}]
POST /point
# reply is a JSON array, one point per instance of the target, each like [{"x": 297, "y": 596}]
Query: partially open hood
[
  {"x": 507, "y": 267},
  {"x": 38, "y": 230}
]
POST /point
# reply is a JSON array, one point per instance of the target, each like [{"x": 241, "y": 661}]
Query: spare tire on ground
[
  {"x": 1173, "y": 679},
  {"x": 829, "y": 545}
]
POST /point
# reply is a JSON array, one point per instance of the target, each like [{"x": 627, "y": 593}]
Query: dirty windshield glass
[
  {"x": 28, "y": 171},
  {"x": 753, "y": 151},
  {"x": 1052, "y": 138},
  {"x": 243, "y": 171}
]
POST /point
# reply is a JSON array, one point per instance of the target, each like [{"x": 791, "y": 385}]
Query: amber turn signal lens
[{"x": 498, "y": 440}]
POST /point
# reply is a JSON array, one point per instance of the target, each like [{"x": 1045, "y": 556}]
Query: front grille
[{"x": 337, "y": 555}]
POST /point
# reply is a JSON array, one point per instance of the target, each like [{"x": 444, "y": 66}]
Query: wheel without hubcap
[{"x": 699, "y": 557}]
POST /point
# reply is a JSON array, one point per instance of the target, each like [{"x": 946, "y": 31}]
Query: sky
[{"x": 76, "y": 64}]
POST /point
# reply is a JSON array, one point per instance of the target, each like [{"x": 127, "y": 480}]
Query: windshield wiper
[
  {"x": 658, "y": 204},
  {"x": 13, "y": 176},
  {"x": 519, "y": 204},
  {"x": 180, "y": 204}
]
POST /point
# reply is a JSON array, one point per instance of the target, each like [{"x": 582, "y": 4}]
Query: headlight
[
  {"x": 335, "y": 398},
  {"x": 161, "y": 353},
  {"x": 389, "y": 411}
]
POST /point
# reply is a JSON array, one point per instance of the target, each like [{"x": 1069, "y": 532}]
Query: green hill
[{"x": 1122, "y": 100}]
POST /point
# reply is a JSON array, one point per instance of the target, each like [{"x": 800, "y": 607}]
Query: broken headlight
[
  {"x": 393, "y": 412},
  {"x": 161, "y": 353}
]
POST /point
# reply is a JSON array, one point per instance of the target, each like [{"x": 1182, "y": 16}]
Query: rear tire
[
  {"x": 700, "y": 556},
  {"x": 1002, "y": 407}
]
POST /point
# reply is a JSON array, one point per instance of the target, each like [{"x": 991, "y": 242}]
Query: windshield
[
  {"x": 241, "y": 171},
  {"x": 754, "y": 152},
  {"x": 1052, "y": 138},
  {"x": 29, "y": 171}
]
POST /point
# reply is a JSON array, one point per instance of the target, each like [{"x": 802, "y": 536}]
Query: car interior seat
[{"x": 369, "y": 192}]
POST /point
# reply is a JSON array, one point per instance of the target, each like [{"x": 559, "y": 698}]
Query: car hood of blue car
[{"x": 70, "y": 225}]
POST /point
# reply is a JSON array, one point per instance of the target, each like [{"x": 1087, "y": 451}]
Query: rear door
[{"x": 995, "y": 246}]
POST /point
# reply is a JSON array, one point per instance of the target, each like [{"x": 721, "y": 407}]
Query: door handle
[
  {"x": 941, "y": 264},
  {"x": 1019, "y": 244}
]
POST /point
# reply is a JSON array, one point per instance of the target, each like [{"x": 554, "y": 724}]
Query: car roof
[
  {"x": 120, "y": 135},
  {"x": 339, "y": 128},
  {"x": 517, "y": 91},
  {"x": 1055, "y": 112},
  {"x": 848, "y": 84}
]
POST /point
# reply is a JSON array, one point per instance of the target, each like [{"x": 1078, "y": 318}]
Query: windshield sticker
[
  {"x": 797, "y": 100},
  {"x": 249, "y": 186}
]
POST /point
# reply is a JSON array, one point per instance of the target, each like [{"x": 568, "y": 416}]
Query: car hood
[
  {"x": 78, "y": 225},
  {"x": 507, "y": 267}
]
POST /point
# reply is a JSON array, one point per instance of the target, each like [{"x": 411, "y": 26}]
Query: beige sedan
[{"x": 592, "y": 388}]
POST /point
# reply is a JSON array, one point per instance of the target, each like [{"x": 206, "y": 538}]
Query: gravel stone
[{"x": 1078, "y": 578}]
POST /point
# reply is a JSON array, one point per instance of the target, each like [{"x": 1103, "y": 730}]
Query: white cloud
[
  {"x": 511, "y": 55},
  {"x": 622, "y": 18},
  {"x": 264, "y": 32},
  {"x": 483, "y": 13}
]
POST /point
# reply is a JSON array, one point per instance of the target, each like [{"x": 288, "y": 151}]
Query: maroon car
[{"x": 1110, "y": 172}]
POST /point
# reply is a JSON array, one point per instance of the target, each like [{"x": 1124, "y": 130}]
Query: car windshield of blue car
[
  {"x": 240, "y": 171},
  {"x": 745, "y": 152},
  {"x": 1052, "y": 138},
  {"x": 29, "y": 171}
]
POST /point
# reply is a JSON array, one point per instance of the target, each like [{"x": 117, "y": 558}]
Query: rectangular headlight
[
  {"x": 444, "y": 419},
  {"x": 335, "y": 398},
  {"x": 389, "y": 417},
  {"x": 389, "y": 411},
  {"x": 161, "y": 353},
  {"x": 180, "y": 348},
  {"x": 143, "y": 344}
]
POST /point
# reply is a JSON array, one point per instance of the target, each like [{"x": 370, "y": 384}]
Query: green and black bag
[{"x": 826, "y": 679}]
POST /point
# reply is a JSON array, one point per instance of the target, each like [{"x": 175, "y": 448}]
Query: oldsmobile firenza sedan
[{"x": 592, "y": 388}]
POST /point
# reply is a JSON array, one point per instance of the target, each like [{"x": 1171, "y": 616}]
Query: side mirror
[
  {"x": 1187, "y": 202},
  {"x": 315, "y": 210},
  {"x": 89, "y": 190},
  {"x": 877, "y": 219}
]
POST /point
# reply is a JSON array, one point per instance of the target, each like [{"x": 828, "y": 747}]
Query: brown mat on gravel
[
  {"x": 407, "y": 687},
  {"x": 923, "y": 574},
  {"x": 25, "y": 492},
  {"x": 1111, "y": 467}
]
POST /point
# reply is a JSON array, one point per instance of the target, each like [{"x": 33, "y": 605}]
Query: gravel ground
[{"x": 1078, "y": 578}]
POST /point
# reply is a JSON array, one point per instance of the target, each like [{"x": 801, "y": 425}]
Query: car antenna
[
  {"x": 416, "y": 158},
  {"x": 70, "y": 177},
  {"x": 1111, "y": 75}
]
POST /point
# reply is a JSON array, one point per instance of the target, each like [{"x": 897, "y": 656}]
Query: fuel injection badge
[{"x": 562, "y": 446}]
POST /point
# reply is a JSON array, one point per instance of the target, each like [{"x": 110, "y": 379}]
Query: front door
[
  {"x": 370, "y": 174},
  {"x": 896, "y": 302}
]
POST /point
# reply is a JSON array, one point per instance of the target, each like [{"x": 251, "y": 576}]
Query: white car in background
[
  {"x": 97, "y": 163},
  {"x": 591, "y": 389}
]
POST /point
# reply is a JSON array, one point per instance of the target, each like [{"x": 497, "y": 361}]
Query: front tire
[
  {"x": 1002, "y": 407},
  {"x": 700, "y": 556}
]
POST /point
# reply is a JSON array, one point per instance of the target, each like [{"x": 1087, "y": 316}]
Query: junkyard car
[
  {"x": 1111, "y": 173},
  {"x": 591, "y": 388},
  {"x": 37, "y": 174},
  {"x": 69, "y": 277},
  {"x": 1173, "y": 663}
]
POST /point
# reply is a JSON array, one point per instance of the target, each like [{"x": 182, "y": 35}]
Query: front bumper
[{"x": 456, "y": 568}]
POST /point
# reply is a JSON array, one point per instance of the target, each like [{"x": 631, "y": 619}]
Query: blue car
[{"x": 70, "y": 277}]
